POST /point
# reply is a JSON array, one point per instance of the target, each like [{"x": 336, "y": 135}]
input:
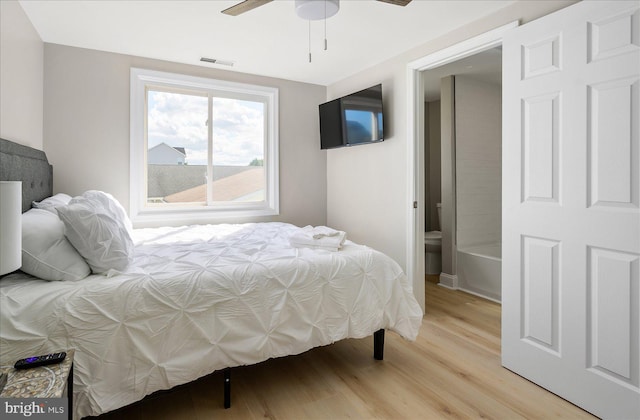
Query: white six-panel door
[{"x": 571, "y": 205}]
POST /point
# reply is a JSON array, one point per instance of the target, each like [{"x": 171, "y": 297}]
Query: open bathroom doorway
[{"x": 463, "y": 85}]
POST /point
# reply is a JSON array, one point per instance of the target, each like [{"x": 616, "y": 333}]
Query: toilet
[{"x": 433, "y": 247}]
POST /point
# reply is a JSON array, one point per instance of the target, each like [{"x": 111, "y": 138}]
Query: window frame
[{"x": 143, "y": 215}]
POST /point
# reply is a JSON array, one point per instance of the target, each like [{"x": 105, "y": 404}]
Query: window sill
[{"x": 198, "y": 216}]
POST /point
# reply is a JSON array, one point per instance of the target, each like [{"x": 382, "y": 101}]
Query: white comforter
[{"x": 197, "y": 299}]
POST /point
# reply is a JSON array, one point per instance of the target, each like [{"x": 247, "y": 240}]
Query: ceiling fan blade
[
  {"x": 244, "y": 6},
  {"x": 397, "y": 2}
]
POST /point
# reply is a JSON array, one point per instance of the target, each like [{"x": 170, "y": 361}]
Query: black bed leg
[
  {"x": 227, "y": 388},
  {"x": 378, "y": 344}
]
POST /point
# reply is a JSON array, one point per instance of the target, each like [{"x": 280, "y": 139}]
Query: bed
[{"x": 197, "y": 299}]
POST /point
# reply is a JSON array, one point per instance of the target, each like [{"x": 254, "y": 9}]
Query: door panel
[
  {"x": 540, "y": 288},
  {"x": 571, "y": 219},
  {"x": 610, "y": 284},
  {"x": 613, "y": 180},
  {"x": 541, "y": 175}
]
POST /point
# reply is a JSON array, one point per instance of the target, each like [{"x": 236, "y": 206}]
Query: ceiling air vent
[{"x": 216, "y": 61}]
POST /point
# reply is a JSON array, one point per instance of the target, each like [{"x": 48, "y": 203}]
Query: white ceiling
[{"x": 270, "y": 40}]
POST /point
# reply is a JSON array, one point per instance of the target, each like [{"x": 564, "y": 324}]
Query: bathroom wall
[
  {"x": 478, "y": 156},
  {"x": 448, "y": 185},
  {"x": 427, "y": 165},
  {"x": 434, "y": 166},
  {"x": 432, "y": 161}
]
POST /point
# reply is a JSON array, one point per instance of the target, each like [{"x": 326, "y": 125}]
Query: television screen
[
  {"x": 353, "y": 119},
  {"x": 362, "y": 116}
]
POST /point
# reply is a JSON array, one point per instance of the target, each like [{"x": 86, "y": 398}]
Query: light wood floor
[{"x": 451, "y": 371}]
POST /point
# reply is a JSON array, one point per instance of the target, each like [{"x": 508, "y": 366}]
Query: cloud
[{"x": 180, "y": 120}]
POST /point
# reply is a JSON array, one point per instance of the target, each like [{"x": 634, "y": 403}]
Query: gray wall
[
  {"x": 21, "y": 77},
  {"x": 448, "y": 182},
  {"x": 433, "y": 165},
  {"x": 478, "y": 162},
  {"x": 86, "y": 123}
]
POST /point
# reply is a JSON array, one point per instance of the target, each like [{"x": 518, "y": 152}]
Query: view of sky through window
[
  {"x": 179, "y": 141},
  {"x": 180, "y": 120}
]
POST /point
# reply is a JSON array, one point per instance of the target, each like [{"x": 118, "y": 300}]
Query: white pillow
[
  {"x": 50, "y": 203},
  {"x": 46, "y": 253},
  {"x": 98, "y": 232},
  {"x": 111, "y": 204}
]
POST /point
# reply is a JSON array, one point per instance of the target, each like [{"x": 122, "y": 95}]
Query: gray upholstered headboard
[{"x": 23, "y": 163}]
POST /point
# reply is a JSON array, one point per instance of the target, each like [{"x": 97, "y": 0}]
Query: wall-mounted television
[{"x": 353, "y": 119}]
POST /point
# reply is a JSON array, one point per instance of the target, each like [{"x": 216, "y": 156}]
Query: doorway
[
  {"x": 465, "y": 95},
  {"x": 415, "y": 170}
]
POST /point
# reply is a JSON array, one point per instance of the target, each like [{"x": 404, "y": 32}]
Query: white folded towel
[{"x": 319, "y": 237}]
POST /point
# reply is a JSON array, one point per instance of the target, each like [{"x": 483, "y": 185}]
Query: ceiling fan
[{"x": 246, "y": 5}]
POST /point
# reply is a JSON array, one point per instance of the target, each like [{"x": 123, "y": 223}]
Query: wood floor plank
[{"x": 451, "y": 371}]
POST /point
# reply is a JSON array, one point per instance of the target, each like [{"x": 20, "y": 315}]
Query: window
[{"x": 201, "y": 149}]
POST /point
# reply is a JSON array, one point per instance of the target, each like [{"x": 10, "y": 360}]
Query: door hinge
[{"x": 415, "y": 204}]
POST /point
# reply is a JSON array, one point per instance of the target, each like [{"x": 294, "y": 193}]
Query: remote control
[{"x": 47, "y": 359}]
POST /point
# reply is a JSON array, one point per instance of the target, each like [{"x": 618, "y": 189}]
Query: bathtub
[{"x": 479, "y": 270}]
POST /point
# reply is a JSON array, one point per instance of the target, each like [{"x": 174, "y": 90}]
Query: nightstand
[{"x": 51, "y": 381}]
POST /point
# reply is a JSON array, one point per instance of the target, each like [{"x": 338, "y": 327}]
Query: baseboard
[
  {"x": 450, "y": 281},
  {"x": 480, "y": 295}
]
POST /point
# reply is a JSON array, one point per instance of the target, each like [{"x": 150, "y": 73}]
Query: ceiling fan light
[{"x": 315, "y": 9}]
